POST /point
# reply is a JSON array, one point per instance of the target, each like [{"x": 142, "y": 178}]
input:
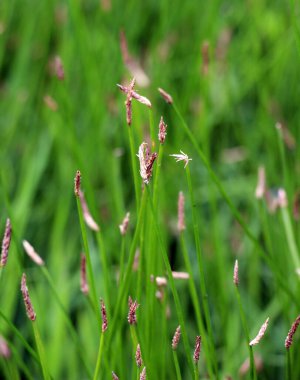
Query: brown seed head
[
  {"x": 260, "y": 334},
  {"x": 77, "y": 181},
  {"x": 143, "y": 374},
  {"x": 146, "y": 162},
  {"x": 83, "y": 279},
  {"x": 27, "y": 301},
  {"x": 162, "y": 131},
  {"x": 293, "y": 329},
  {"x": 125, "y": 223},
  {"x": 90, "y": 222},
  {"x": 236, "y": 273},
  {"x": 138, "y": 356},
  {"x": 181, "y": 222},
  {"x": 32, "y": 253},
  {"x": 132, "y": 311},
  {"x": 104, "y": 316},
  {"x": 197, "y": 349},
  {"x": 168, "y": 98},
  {"x": 5, "y": 243},
  {"x": 176, "y": 338}
]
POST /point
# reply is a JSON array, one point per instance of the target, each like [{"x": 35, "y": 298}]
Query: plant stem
[
  {"x": 177, "y": 367},
  {"x": 134, "y": 168},
  {"x": 41, "y": 351},
  {"x": 288, "y": 365},
  {"x": 290, "y": 237},
  {"x": 99, "y": 357}
]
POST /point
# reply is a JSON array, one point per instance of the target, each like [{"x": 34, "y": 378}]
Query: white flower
[{"x": 182, "y": 157}]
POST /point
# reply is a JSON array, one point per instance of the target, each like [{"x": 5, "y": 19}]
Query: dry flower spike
[
  {"x": 291, "y": 333},
  {"x": 236, "y": 273},
  {"x": 146, "y": 162},
  {"x": 83, "y": 278},
  {"x": 176, "y": 338},
  {"x": 260, "y": 334},
  {"x": 138, "y": 356},
  {"x": 104, "y": 316},
  {"x": 182, "y": 157},
  {"x": 124, "y": 225},
  {"x": 168, "y": 98},
  {"x": 77, "y": 181},
  {"x": 132, "y": 306},
  {"x": 89, "y": 220},
  {"x": 27, "y": 301},
  {"x": 197, "y": 349},
  {"x": 162, "y": 131}
]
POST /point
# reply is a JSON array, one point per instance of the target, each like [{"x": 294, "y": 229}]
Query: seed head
[
  {"x": 27, "y": 301},
  {"x": 146, "y": 162},
  {"x": 114, "y": 376},
  {"x": 90, "y": 222},
  {"x": 104, "y": 316},
  {"x": 162, "y": 131},
  {"x": 236, "y": 273},
  {"x": 32, "y": 253},
  {"x": 293, "y": 329},
  {"x": 138, "y": 356},
  {"x": 5, "y": 243},
  {"x": 181, "y": 222},
  {"x": 260, "y": 334},
  {"x": 181, "y": 157},
  {"x": 143, "y": 374},
  {"x": 132, "y": 311},
  {"x": 124, "y": 226},
  {"x": 83, "y": 279},
  {"x": 197, "y": 349},
  {"x": 165, "y": 95},
  {"x": 176, "y": 338},
  {"x": 77, "y": 181}
]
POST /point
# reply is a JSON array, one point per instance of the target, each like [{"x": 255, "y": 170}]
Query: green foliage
[{"x": 224, "y": 120}]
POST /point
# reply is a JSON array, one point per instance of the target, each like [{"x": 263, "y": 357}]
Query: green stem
[
  {"x": 177, "y": 367},
  {"x": 290, "y": 237},
  {"x": 41, "y": 351},
  {"x": 288, "y": 365},
  {"x": 88, "y": 260},
  {"x": 196, "y": 371},
  {"x": 246, "y": 332},
  {"x": 99, "y": 357},
  {"x": 134, "y": 168},
  {"x": 203, "y": 290},
  {"x": 172, "y": 285},
  {"x": 105, "y": 270}
]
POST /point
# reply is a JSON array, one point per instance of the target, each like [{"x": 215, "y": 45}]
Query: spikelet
[
  {"x": 176, "y": 338},
  {"x": 35, "y": 257},
  {"x": 260, "y": 334},
  {"x": 165, "y": 95},
  {"x": 27, "y": 301},
  {"x": 291, "y": 333},
  {"x": 5, "y": 243},
  {"x": 197, "y": 349},
  {"x": 83, "y": 279},
  {"x": 104, "y": 316},
  {"x": 236, "y": 273}
]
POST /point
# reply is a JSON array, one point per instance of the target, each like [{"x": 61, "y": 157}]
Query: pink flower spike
[
  {"x": 114, "y": 376},
  {"x": 138, "y": 356},
  {"x": 260, "y": 334},
  {"x": 5, "y": 243},
  {"x": 162, "y": 131},
  {"x": 168, "y": 98},
  {"x": 32, "y": 253},
  {"x": 236, "y": 273},
  {"x": 90, "y": 222},
  {"x": 181, "y": 218},
  {"x": 181, "y": 157},
  {"x": 83, "y": 279},
  {"x": 291, "y": 333},
  {"x": 104, "y": 316},
  {"x": 143, "y": 374},
  {"x": 146, "y": 162},
  {"x": 197, "y": 349},
  {"x": 27, "y": 301},
  {"x": 176, "y": 338},
  {"x": 77, "y": 182},
  {"x": 132, "y": 311},
  {"x": 124, "y": 225}
]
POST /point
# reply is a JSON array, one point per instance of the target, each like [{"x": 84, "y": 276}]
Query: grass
[{"x": 224, "y": 120}]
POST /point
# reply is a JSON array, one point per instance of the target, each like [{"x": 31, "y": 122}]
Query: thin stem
[
  {"x": 172, "y": 285},
  {"x": 99, "y": 357},
  {"x": 203, "y": 291},
  {"x": 41, "y": 351},
  {"x": 288, "y": 365},
  {"x": 290, "y": 237},
  {"x": 177, "y": 367},
  {"x": 196, "y": 371},
  {"x": 246, "y": 332},
  {"x": 105, "y": 270},
  {"x": 134, "y": 168}
]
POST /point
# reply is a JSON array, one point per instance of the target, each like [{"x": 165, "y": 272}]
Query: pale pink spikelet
[
  {"x": 138, "y": 356},
  {"x": 77, "y": 181},
  {"x": 83, "y": 278},
  {"x": 59, "y": 68},
  {"x": 27, "y": 301},
  {"x": 260, "y": 334},
  {"x": 114, "y": 376},
  {"x": 197, "y": 349},
  {"x": 132, "y": 64},
  {"x": 50, "y": 103},
  {"x": 205, "y": 57},
  {"x": 143, "y": 374},
  {"x": 261, "y": 187},
  {"x": 160, "y": 281},
  {"x": 35, "y": 257},
  {"x": 5, "y": 243},
  {"x": 132, "y": 306},
  {"x": 291, "y": 333},
  {"x": 181, "y": 157},
  {"x": 180, "y": 275},
  {"x": 176, "y": 338},
  {"x": 236, "y": 273},
  {"x": 168, "y": 98},
  {"x": 89, "y": 220},
  {"x": 124, "y": 225},
  {"x": 162, "y": 130},
  {"x": 4, "y": 348},
  {"x": 181, "y": 218},
  {"x": 282, "y": 198},
  {"x": 103, "y": 316},
  {"x": 146, "y": 162}
]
